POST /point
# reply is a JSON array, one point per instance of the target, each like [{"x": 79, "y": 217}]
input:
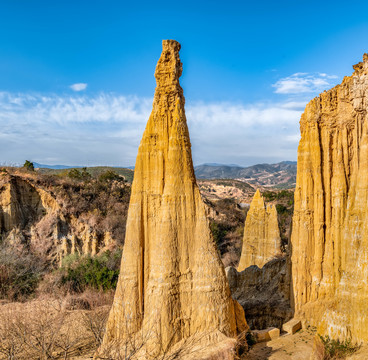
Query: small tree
[
  {"x": 29, "y": 165},
  {"x": 83, "y": 175}
]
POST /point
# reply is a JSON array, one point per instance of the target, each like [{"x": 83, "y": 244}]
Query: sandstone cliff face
[
  {"x": 172, "y": 287},
  {"x": 31, "y": 216},
  {"x": 21, "y": 203},
  {"x": 261, "y": 241},
  {"x": 330, "y": 224}
]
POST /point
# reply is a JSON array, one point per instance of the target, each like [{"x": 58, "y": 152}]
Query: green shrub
[
  {"x": 279, "y": 195},
  {"x": 109, "y": 176},
  {"x": 99, "y": 272},
  {"x": 76, "y": 174},
  {"x": 282, "y": 209},
  {"x": 336, "y": 349},
  {"x": 219, "y": 231},
  {"x": 28, "y": 165},
  {"x": 269, "y": 195}
]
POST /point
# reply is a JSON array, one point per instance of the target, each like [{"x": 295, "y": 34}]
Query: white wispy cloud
[
  {"x": 300, "y": 83},
  {"x": 107, "y": 128},
  {"x": 79, "y": 86}
]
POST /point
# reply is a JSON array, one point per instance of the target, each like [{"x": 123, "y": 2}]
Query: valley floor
[{"x": 296, "y": 347}]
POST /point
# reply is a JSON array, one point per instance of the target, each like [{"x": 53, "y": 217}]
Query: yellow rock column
[
  {"x": 261, "y": 240},
  {"x": 172, "y": 290},
  {"x": 330, "y": 223}
]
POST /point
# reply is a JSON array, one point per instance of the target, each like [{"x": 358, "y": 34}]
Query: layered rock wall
[
  {"x": 172, "y": 287},
  {"x": 30, "y": 216},
  {"x": 261, "y": 241},
  {"x": 330, "y": 225}
]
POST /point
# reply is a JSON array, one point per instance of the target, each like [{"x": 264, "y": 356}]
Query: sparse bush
[
  {"x": 82, "y": 175},
  {"x": 95, "y": 322},
  {"x": 20, "y": 273},
  {"x": 109, "y": 176},
  {"x": 219, "y": 231},
  {"x": 326, "y": 348},
  {"x": 42, "y": 330}
]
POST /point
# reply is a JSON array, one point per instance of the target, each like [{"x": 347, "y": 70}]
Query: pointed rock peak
[
  {"x": 166, "y": 293},
  {"x": 257, "y": 200},
  {"x": 261, "y": 240},
  {"x": 169, "y": 67}
]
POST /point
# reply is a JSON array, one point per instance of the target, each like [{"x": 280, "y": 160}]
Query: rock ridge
[{"x": 330, "y": 233}]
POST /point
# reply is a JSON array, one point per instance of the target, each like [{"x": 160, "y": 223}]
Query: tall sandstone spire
[
  {"x": 330, "y": 224},
  {"x": 172, "y": 285},
  {"x": 261, "y": 241}
]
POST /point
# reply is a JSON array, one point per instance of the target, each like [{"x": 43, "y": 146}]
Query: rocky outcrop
[
  {"x": 261, "y": 241},
  {"x": 31, "y": 216},
  {"x": 330, "y": 224},
  {"x": 172, "y": 291},
  {"x": 263, "y": 293},
  {"x": 21, "y": 203}
]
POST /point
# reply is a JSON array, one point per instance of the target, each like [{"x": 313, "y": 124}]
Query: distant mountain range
[
  {"x": 55, "y": 167},
  {"x": 281, "y": 175}
]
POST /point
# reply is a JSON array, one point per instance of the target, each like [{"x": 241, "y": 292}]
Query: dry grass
[{"x": 47, "y": 329}]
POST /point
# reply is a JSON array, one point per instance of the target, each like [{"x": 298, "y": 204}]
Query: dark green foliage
[
  {"x": 82, "y": 175},
  {"x": 337, "y": 349},
  {"x": 20, "y": 274},
  {"x": 279, "y": 195},
  {"x": 109, "y": 176},
  {"x": 282, "y": 209},
  {"x": 99, "y": 272},
  {"x": 28, "y": 165},
  {"x": 219, "y": 231}
]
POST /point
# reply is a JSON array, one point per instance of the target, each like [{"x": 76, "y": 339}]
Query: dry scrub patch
[{"x": 47, "y": 329}]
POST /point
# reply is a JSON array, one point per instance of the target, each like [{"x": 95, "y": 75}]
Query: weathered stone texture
[
  {"x": 31, "y": 216},
  {"x": 261, "y": 241},
  {"x": 263, "y": 293},
  {"x": 330, "y": 226},
  {"x": 292, "y": 326},
  {"x": 172, "y": 287}
]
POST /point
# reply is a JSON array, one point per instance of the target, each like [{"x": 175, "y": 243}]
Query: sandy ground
[{"x": 297, "y": 347}]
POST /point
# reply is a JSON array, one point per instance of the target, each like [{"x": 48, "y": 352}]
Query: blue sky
[{"x": 76, "y": 77}]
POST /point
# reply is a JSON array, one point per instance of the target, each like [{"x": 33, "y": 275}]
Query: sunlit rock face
[
  {"x": 172, "y": 291},
  {"x": 261, "y": 241},
  {"x": 32, "y": 217},
  {"x": 330, "y": 225}
]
